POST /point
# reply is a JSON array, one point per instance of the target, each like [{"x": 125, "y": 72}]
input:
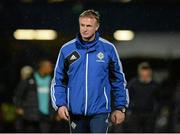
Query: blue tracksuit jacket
[{"x": 84, "y": 76}]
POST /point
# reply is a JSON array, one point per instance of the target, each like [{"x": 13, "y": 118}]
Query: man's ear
[{"x": 97, "y": 27}]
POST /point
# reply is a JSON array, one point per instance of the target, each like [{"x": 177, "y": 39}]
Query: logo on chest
[
  {"x": 100, "y": 57},
  {"x": 71, "y": 58}
]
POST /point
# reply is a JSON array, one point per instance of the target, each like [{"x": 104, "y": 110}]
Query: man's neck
[
  {"x": 145, "y": 81},
  {"x": 42, "y": 74}
]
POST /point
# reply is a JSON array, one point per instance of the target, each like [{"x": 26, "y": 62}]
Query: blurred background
[{"x": 142, "y": 30}]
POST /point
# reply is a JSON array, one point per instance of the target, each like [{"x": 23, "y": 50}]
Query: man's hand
[
  {"x": 63, "y": 113},
  {"x": 117, "y": 117}
]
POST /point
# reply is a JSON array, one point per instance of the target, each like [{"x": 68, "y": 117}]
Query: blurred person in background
[
  {"x": 88, "y": 69},
  {"x": 143, "y": 93},
  {"x": 32, "y": 98},
  {"x": 25, "y": 73}
]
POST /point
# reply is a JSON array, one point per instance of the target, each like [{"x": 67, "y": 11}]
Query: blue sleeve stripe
[
  {"x": 53, "y": 83},
  {"x": 53, "y": 96},
  {"x": 121, "y": 69}
]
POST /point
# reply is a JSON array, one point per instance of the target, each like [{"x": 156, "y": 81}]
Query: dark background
[{"x": 141, "y": 16}]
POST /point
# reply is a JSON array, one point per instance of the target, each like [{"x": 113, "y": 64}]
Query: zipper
[
  {"x": 106, "y": 98},
  {"x": 68, "y": 97},
  {"x": 87, "y": 58}
]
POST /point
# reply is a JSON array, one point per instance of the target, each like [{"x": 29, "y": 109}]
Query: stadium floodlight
[
  {"x": 123, "y": 35},
  {"x": 35, "y": 34}
]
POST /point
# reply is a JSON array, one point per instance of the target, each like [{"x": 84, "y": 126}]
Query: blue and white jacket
[{"x": 85, "y": 75}]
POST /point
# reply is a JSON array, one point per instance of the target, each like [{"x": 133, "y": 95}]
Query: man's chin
[{"x": 86, "y": 37}]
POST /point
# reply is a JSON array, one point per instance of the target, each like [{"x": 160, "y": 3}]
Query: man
[
  {"x": 32, "y": 98},
  {"x": 25, "y": 73},
  {"x": 143, "y": 93},
  {"x": 87, "y": 70}
]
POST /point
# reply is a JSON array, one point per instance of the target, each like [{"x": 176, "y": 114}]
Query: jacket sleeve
[
  {"x": 117, "y": 80},
  {"x": 59, "y": 83}
]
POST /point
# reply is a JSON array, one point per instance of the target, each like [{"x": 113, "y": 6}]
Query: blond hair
[
  {"x": 91, "y": 14},
  {"x": 26, "y": 72}
]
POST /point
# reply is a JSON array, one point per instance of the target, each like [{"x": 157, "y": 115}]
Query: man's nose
[{"x": 85, "y": 28}]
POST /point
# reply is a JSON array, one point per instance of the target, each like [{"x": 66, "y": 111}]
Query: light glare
[
  {"x": 124, "y": 35},
  {"x": 31, "y": 34}
]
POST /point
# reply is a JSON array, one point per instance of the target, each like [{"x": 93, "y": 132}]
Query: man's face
[
  {"x": 47, "y": 67},
  {"x": 145, "y": 75},
  {"x": 88, "y": 27}
]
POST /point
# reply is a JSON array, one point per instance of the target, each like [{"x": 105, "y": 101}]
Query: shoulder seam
[
  {"x": 106, "y": 41},
  {"x": 68, "y": 43}
]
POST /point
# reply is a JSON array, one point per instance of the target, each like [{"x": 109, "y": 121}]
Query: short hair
[
  {"x": 92, "y": 14},
  {"x": 144, "y": 66},
  {"x": 41, "y": 62},
  {"x": 26, "y": 72}
]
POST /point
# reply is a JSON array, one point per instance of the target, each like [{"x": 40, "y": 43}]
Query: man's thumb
[{"x": 66, "y": 112}]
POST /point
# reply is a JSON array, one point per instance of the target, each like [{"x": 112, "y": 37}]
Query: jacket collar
[{"x": 90, "y": 46}]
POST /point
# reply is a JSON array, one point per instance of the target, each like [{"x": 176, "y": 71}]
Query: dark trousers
[
  {"x": 141, "y": 123},
  {"x": 61, "y": 126},
  {"x": 89, "y": 124}
]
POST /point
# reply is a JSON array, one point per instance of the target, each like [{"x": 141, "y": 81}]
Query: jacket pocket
[{"x": 105, "y": 95}]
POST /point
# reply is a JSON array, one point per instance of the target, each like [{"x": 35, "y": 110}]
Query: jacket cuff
[
  {"x": 62, "y": 105},
  {"x": 121, "y": 108}
]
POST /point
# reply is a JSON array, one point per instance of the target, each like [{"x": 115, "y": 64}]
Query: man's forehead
[{"x": 87, "y": 19}]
